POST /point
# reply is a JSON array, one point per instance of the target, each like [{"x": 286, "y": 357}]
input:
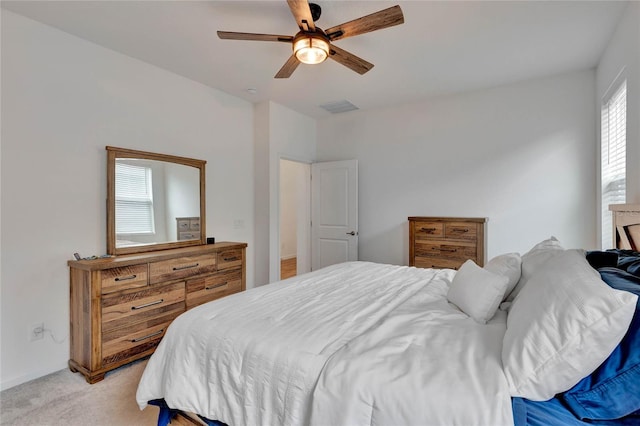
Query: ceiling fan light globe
[{"x": 311, "y": 50}]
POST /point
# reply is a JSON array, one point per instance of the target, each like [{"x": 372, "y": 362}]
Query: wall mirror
[{"x": 154, "y": 201}]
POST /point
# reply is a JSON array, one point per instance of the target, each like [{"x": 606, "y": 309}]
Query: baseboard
[
  {"x": 8, "y": 384},
  {"x": 292, "y": 256}
]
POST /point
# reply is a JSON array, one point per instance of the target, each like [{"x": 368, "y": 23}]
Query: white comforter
[{"x": 355, "y": 344}]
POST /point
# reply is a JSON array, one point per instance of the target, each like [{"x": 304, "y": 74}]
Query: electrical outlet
[{"x": 36, "y": 332}]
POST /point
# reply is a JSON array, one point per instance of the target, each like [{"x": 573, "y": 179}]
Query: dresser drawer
[
  {"x": 461, "y": 231},
  {"x": 445, "y": 249},
  {"x": 206, "y": 289},
  {"x": 125, "y": 343},
  {"x": 128, "y": 307},
  {"x": 123, "y": 278},
  {"x": 229, "y": 258},
  {"x": 428, "y": 230},
  {"x": 194, "y": 224},
  {"x": 438, "y": 263},
  {"x": 175, "y": 269}
]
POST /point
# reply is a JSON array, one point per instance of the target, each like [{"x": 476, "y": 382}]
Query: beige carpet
[{"x": 65, "y": 398}]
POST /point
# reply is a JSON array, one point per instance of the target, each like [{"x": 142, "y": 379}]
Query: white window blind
[
  {"x": 614, "y": 144},
  {"x": 134, "y": 200}
]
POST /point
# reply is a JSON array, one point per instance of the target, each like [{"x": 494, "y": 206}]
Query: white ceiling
[{"x": 443, "y": 47}]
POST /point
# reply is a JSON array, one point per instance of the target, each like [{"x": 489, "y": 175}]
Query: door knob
[{"x": 351, "y": 233}]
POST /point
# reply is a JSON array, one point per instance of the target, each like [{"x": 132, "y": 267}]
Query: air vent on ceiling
[{"x": 339, "y": 106}]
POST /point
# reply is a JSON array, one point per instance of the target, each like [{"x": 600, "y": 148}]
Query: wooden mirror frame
[{"x": 112, "y": 154}]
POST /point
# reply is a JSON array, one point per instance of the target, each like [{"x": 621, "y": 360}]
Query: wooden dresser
[
  {"x": 121, "y": 306},
  {"x": 188, "y": 228},
  {"x": 446, "y": 242}
]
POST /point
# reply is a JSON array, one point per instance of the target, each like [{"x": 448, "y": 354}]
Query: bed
[{"x": 365, "y": 343}]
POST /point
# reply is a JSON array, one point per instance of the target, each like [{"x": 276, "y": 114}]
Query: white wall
[
  {"x": 279, "y": 133},
  {"x": 622, "y": 55},
  {"x": 522, "y": 155},
  {"x": 182, "y": 185},
  {"x": 64, "y": 100}
]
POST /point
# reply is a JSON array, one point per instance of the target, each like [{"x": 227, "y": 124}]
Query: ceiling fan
[{"x": 312, "y": 45}]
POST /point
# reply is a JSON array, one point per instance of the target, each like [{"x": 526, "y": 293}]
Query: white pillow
[
  {"x": 533, "y": 260},
  {"x": 476, "y": 291},
  {"x": 565, "y": 322},
  {"x": 508, "y": 265}
]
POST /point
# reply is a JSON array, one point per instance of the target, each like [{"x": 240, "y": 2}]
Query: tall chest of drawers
[
  {"x": 120, "y": 307},
  {"x": 446, "y": 242}
]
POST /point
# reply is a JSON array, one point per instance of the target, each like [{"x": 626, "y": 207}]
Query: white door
[{"x": 334, "y": 213}]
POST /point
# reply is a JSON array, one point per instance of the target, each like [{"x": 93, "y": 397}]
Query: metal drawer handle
[
  {"x": 230, "y": 259},
  {"x": 146, "y": 305},
  {"x": 444, "y": 249},
  {"x": 148, "y": 336},
  {"x": 459, "y": 230},
  {"x": 211, "y": 287},
  {"x": 428, "y": 230},
  {"x": 129, "y": 277},
  {"x": 180, "y": 268}
]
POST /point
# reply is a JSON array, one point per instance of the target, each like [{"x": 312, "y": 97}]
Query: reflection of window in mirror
[{"x": 134, "y": 199}]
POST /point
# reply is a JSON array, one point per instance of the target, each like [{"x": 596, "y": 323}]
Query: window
[
  {"x": 134, "y": 200},
  {"x": 613, "y": 159}
]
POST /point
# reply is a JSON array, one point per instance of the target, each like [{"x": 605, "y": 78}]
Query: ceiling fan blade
[
  {"x": 376, "y": 21},
  {"x": 229, "y": 35},
  {"x": 288, "y": 68},
  {"x": 349, "y": 60},
  {"x": 302, "y": 12}
]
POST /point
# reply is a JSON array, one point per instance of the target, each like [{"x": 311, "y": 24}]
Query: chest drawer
[
  {"x": 438, "y": 263},
  {"x": 461, "y": 230},
  {"x": 188, "y": 235},
  {"x": 428, "y": 230},
  {"x": 175, "y": 269},
  {"x": 121, "y": 310},
  {"x": 445, "y": 249},
  {"x": 229, "y": 258},
  {"x": 183, "y": 225},
  {"x": 123, "y": 278},
  {"x": 205, "y": 289}
]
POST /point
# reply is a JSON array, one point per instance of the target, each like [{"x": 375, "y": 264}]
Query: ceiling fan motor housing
[{"x": 316, "y": 11}]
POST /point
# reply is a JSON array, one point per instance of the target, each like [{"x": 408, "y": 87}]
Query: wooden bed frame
[
  {"x": 183, "y": 418},
  {"x": 626, "y": 226}
]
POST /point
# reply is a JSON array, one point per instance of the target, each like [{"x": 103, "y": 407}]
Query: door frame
[{"x": 274, "y": 255}]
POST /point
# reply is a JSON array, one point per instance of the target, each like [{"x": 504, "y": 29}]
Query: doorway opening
[{"x": 295, "y": 218}]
